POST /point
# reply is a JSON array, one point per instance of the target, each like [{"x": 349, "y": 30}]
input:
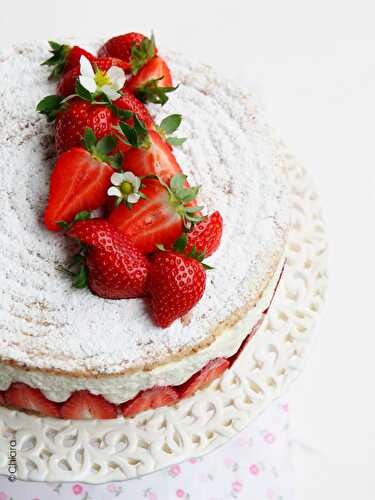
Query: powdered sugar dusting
[{"x": 47, "y": 324}]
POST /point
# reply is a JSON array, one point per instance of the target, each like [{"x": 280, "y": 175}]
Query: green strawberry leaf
[
  {"x": 176, "y": 141},
  {"x": 84, "y": 215},
  {"x": 171, "y": 123},
  {"x": 151, "y": 92},
  {"x": 81, "y": 277},
  {"x": 141, "y": 54},
  {"x": 59, "y": 53},
  {"x": 106, "y": 144},
  {"x": 83, "y": 93},
  {"x": 89, "y": 139},
  {"x": 50, "y": 106},
  {"x": 180, "y": 244}
]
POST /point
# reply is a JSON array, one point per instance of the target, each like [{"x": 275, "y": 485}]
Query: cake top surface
[{"x": 44, "y": 322}]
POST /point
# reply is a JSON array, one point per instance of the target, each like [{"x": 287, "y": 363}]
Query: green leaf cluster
[
  {"x": 152, "y": 92},
  {"x": 142, "y": 53},
  {"x": 168, "y": 126},
  {"x": 59, "y": 54},
  {"x": 101, "y": 150}
]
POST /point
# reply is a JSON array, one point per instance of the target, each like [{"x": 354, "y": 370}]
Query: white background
[{"x": 313, "y": 65}]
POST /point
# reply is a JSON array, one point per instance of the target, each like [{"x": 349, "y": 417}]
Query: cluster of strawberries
[{"x": 151, "y": 237}]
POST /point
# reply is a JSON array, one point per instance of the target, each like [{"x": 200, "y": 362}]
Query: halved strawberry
[
  {"x": 65, "y": 57},
  {"x": 133, "y": 48},
  {"x": 206, "y": 235},
  {"x": 160, "y": 217},
  {"x": 79, "y": 181},
  {"x": 23, "y": 397},
  {"x": 67, "y": 83},
  {"x": 155, "y": 158},
  {"x": 116, "y": 269},
  {"x": 153, "y": 82},
  {"x": 151, "y": 398},
  {"x": 213, "y": 369},
  {"x": 84, "y": 405}
]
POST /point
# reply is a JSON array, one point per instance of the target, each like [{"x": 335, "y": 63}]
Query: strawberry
[
  {"x": 133, "y": 48},
  {"x": 2, "y": 398},
  {"x": 83, "y": 405},
  {"x": 153, "y": 82},
  {"x": 152, "y": 153},
  {"x": 206, "y": 235},
  {"x": 213, "y": 369},
  {"x": 116, "y": 269},
  {"x": 154, "y": 158},
  {"x": 176, "y": 284},
  {"x": 73, "y": 120},
  {"x": 23, "y": 397},
  {"x": 151, "y": 398},
  {"x": 128, "y": 102},
  {"x": 67, "y": 83},
  {"x": 64, "y": 58},
  {"x": 80, "y": 180},
  {"x": 160, "y": 217}
]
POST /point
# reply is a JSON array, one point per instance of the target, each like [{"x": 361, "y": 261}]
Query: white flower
[
  {"x": 98, "y": 81},
  {"x": 125, "y": 186}
]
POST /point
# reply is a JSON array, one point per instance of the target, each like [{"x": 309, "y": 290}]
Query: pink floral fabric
[{"x": 255, "y": 465}]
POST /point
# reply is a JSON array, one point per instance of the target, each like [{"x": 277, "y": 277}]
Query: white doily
[{"x": 100, "y": 451}]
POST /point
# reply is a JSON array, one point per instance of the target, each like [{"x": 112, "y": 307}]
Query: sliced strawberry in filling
[
  {"x": 151, "y": 398},
  {"x": 23, "y": 397},
  {"x": 213, "y": 369},
  {"x": 83, "y": 405}
]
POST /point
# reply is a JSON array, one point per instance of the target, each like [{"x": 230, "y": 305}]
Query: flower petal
[
  {"x": 110, "y": 92},
  {"x": 85, "y": 67},
  {"x": 117, "y": 77},
  {"x": 133, "y": 179},
  {"x": 117, "y": 178},
  {"x": 88, "y": 83},
  {"x": 133, "y": 198},
  {"x": 114, "y": 191}
]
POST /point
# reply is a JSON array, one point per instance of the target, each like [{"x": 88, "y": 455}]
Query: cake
[{"x": 60, "y": 344}]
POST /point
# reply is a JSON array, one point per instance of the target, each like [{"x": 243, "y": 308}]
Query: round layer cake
[{"x": 61, "y": 340}]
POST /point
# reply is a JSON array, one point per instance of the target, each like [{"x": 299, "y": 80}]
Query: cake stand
[{"x": 111, "y": 450}]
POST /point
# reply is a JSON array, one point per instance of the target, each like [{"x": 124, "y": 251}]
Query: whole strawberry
[
  {"x": 206, "y": 235},
  {"x": 176, "y": 284},
  {"x": 116, "y": 269},
  {"x": 64, "y": 58},
  {"x": 133, "y": 48},
  {"x": 73, "y": 120}
]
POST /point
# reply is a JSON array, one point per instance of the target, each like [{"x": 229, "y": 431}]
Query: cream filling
[{"x": 118, "y": 389}]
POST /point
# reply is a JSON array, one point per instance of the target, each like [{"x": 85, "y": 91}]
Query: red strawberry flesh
[
  {"x": 150, "y": 399},
  {"x": 23, "y": 397},
  {"x": 79, "y": 183},
  {"x": 214, "y": 369},
  {"x": 84, "y": 405}
]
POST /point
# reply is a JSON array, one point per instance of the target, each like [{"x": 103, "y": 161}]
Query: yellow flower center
[
  {"x": 126, "y": 187},
  {"x": 102, "y": 79}
]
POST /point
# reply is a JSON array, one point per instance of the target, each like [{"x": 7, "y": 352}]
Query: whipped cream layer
[{"x": 47, "y": 325}]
